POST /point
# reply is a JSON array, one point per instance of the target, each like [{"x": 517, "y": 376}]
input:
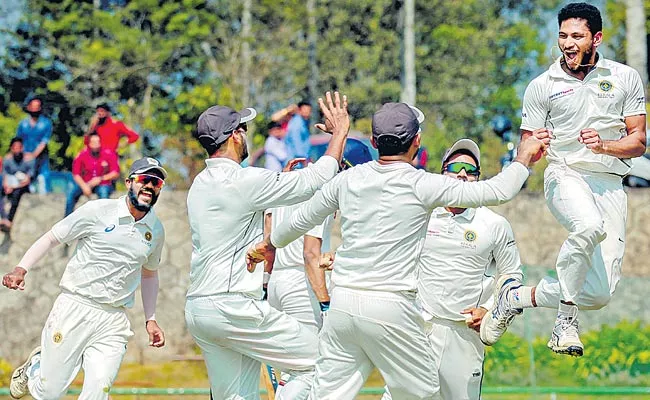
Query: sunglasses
[
  {"x": 155, "y": 181},
  {"x": 456, "y": 167},
  {"x": 345, "y": 164}
]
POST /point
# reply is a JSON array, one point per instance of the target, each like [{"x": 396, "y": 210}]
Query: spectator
[
  {"x": 35, "y": 131},
  {"x": 109, "y": 131},
  {"x": 284, "y": 116},
  {"x": 275, "y": 149},
  {"x": 421, "y": 159},
  {"x": 93, "y": 171},
  {"x": 297, "y": 139},
  {"x": 17, "y": 173}
]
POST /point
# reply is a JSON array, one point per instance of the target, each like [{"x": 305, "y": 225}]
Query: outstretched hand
[{"x": 337, "y": 120}]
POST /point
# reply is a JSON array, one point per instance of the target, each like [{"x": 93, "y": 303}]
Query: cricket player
[
  {"x": 385, "y": 205},
  {"x": 465, "y": 249},
  {"x": 593, "y": 109},
  {"x": 119, "y": 246},
  {"x": 224, "y": 312},
  {"x": 298, "y": 284}
]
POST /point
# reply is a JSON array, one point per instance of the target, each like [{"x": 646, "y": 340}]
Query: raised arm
[
  {"x": 441, "y": 191},
  {"x": 276, "y": 189}
]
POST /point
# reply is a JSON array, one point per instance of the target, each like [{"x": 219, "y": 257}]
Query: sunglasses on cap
[
  {"x": 345, "y": 164},
  {"x": 456, "y": 167},
  {"x": 155, "y": 181}
]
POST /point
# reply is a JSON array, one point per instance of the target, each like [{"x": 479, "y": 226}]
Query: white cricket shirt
[
  {"x": 384, "y": 215},
  {"x": 462, "y": 254},
  {"x": 225, "y": 206},
  {"x": 566, "y": 105},
  {"x": 292, "y": 255},
  {"x": 112, "y": 248}
]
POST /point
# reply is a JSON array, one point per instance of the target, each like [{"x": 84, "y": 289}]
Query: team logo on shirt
[
  {"x": 109, "y": 228},
  {"x": 57, "y": 338},
  {"x": 470, "y": 235},
  {"x": 147, "y": 236},
  {"x": 605, "y": 86}
]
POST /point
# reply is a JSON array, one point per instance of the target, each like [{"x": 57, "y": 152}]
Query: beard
[
  {"x": 34, "y": 114},
  {"x": 583, "y": 63},
  {"x": 133, "y": 198},
  {"x": 100, "y": 121}
]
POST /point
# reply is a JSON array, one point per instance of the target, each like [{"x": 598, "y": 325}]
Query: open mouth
[
  {"x": 146, "y": 195},
  {"x": 571, "y": 57}
]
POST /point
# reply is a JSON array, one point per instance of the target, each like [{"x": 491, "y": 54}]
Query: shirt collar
[
  {"x": 221, "y": 162},
  {"x": 123, "y": 212},
  {"x": 467, "y": 215},
  {"x": 556, "y": 71}
]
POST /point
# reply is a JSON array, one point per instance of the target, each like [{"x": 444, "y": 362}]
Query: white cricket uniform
[
  {"x": 289, "y": 289},
  {"x": 583, "y": 190},
  {"x": 233, "y": 327},
  {"x": 87, "y": 327},
  {"x": 462, "y": 255},
  {"x": 374, "y": 318}
]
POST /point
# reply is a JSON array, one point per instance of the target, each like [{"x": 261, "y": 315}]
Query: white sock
[{"x": 521, "y": 297}]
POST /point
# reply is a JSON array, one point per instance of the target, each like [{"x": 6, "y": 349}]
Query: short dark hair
[
  {"x": 392, "y": 146},
  {"x": 463, "y": 152},
  {"x": 304, "y": 103},
  {"x": 14, "y": 140},
  {"x": 93, "y": 133},
  {"x": 582, "y": 11}
]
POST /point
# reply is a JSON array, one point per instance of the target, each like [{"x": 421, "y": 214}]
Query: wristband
[{"x": 324, "y": 305}]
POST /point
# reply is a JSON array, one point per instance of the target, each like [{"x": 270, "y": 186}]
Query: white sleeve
[
  {"x": 635, "y": 97},
  {"x": 505, "y": 253},
  {"x": 78, "y": 224},
  {"x": 266, "y": 189},
  {"x": 153, "y": 262},
  {"x": 149, "y": 288},
  {"x": 535, "y": 107},
  {"x": 437, "y": 190},
  {"x": 38, "y": 250},
  {"x": 309, "y": 215}
]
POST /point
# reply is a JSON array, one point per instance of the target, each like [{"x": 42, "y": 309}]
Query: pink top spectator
[{"x": 87, "y": 166}]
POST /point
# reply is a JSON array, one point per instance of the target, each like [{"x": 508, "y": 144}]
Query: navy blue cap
[{"x": 355, "y": 153}]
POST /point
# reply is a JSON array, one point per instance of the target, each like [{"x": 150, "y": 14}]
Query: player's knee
[
  {"x": 588, "y": 234},
  {"x": 596, "y": 301}
]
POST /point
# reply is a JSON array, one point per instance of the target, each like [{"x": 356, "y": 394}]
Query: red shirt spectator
[
  {"x": 89, "y": 166},
  {"x": 110, "y": 131}
]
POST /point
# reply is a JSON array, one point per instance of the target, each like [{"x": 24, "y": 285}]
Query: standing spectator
[
  {"x": 35, "y": 131},
  {"x": 275, "y": 149},
  {"x": 297, "y": 139},
  {"x": 93, "y": 171},
  {"x": 17, "y": 173},
  {"x": 110, "y": 131},
  {"x": 284, "y": 116}
]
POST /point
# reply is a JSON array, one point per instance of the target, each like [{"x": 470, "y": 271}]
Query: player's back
[
  {"x": 223, "y": 225},
  {"x": 382, "y": 226}
]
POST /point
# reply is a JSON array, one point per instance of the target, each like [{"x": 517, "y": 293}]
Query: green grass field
[{"x": 192, "y": 374}]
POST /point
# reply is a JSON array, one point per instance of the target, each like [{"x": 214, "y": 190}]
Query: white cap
[{"x": 464, "y": 144}]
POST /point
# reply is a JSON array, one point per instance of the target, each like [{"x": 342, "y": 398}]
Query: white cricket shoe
[
  {"x": 495, "y": 322},
  {"x": 565, "y": 338},
  {"x": 18, "y": 386}
]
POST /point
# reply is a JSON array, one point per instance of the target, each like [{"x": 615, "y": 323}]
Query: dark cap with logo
[
  {"x": 147, "y": 164},
  {"x": 217, "y": 123},
  {"x": 397, "y": 121}
]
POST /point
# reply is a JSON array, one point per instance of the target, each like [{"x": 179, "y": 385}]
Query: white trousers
[
  {"x": 237, "y": 333},
  {"x": 366, "y": 328},
  {"x": 459, "y": 356},
  {"x": 79, "y": 333},
  {"x": 593, "y": 208},
  {"x": 289, "y": 291}
]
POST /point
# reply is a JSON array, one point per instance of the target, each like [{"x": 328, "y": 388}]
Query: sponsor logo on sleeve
[{"x": 109, "y": 228}]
